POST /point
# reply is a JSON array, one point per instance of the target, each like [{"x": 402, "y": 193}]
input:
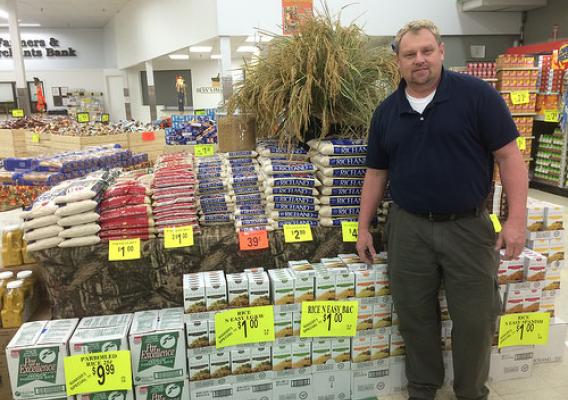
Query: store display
[
  {"x": 191, "y": 129},
  {"x": 216, "y": 202}
]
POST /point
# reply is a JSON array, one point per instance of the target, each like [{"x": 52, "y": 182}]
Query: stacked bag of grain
[
  {"x": 341, "y": 170},
  {"x": 173, "y": 192},
  {"x": 244, "y": 178},
  {"x": 216, "y": 202},
  {"x": 125, "y": 210},
  {"x": 79, "y": 209},
  {"x": 289, "y": 185}
]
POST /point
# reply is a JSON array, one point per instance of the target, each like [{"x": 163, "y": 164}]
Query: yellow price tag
[
  {"x": 83, "y": 117},
  {"x": 35, "y": 137},
  {"x": 178, "y": 237},
  {"x": 204, "y": 150},
  {"x": 496, "y": 222},
  {"x": 350, "y": 231},
  {"x": 244, "y": 325},
  {"x": 520, "y": 97},
  {"x": 551, "y": 116},
  {"x": 124, "y": 249},
  {"x": 522, "y": 143},
  {"x": 524, "y": 329},
  {"x": 17, "y": 113},
  {"x": 329, "y": 318},
  {"x": 295, "y": 233},
  {"x": 105, "y": 117},
  {"x": 98, "y": 372}
]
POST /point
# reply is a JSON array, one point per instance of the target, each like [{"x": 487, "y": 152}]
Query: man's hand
[
  {"x": 365, "y": 246},
  {"x": 512, "y": 237}
]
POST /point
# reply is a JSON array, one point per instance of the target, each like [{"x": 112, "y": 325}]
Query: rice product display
[
  {"x": 215, "y": 190},
  {"x": 173, "y": 192},
  {"x": 191, "y": 129},
  {"x": 290, "y": 186}
]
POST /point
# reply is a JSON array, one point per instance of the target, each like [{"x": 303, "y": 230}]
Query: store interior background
[{"x": 114, "y": 38}]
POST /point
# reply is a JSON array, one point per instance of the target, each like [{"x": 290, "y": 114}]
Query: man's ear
[{"x": 443, "y": 50}]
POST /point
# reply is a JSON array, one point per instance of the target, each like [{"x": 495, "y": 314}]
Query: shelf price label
[
  {"x": 524, "y": 329},
  {"x": 148, "y": 136},
  {"x": 328, "y": 318},
  {"x": 253, "y": 240},
  {"x": 551, "y": 115},
  {"x": 204, "y": 150},
  {"x": 17, "y": 113},
  {"x": 520, "y": 97},
  {"x": 496, "y": 223},
  {"x": 296, "y": 233},
  {"x": 522, "y": 143},
  {"x": 124, "y": 249},
  {"x": 83, "y": 117},
  {"x": 98, "y": 372},
  {"x": 175, "y": 237},
  {"x": 244, "y": 325},
  {"x": 105, "y": 118},
  {"x": 35, "y": 137},
  {"x": 350, "y": 231}
]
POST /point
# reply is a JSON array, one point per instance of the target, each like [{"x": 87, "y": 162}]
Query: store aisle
[{"x": 549, "y": 381}]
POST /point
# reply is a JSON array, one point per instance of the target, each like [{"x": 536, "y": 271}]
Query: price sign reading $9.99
[
  {"x": 98, "y": 372},
  {"x": 295, "y": 233},
  {"x": 329, "y": 318},
  {"x": 127, "y": 249},
  {"x": 178, "y": 237},
  {"x": 244, "y": 325}
]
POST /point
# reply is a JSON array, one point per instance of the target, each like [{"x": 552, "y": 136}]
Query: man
[{"x": 436, "y": 139}]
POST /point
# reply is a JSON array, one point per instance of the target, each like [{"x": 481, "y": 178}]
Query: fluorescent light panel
[
  {"x": 247, "y": 49},
  {"x": 23, "y": 25},
  {"x": 200, "y": 49},
  {"x": 179, "y": 56},
  {"x": 4, "y": 14},
  {"x": 263, "y": 39},
  {"x": 215, "y": 56}
]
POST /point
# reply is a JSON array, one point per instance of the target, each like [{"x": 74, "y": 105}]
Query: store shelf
[
  {"x": 541, "y": 118},
  {"x": 489, "y": 79},
  {"x": 518, "y": 90},
  {"x": 523, "y": 114},
  {"x": 518, "y": 69},
  {"x": 548, "y": 187}
]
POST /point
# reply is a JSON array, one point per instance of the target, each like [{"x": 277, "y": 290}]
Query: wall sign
[
  {"x": 209, "y": 90},
  {"x": 37, "y": 48}
]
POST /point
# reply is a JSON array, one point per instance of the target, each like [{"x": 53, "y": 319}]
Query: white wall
[
  {"x": 147, "y": 29},
  {"x": 540, "y": 21}
]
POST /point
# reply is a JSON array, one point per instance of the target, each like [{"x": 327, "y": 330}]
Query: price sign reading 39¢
[
  {"x": 295, "y": 233},
  {"x": 253, "y": 240},
  {"x": 524, "y": 329},
  {"x": 98, "y": 372},
  {"x": 178, "y": 237},
  {"x": 244, "y": 325},
  {"x": 127, "y": 249},
  {"x": 329, "y": 318}
]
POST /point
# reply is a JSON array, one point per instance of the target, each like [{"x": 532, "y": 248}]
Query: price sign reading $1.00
[
  {"x": 524, "y": 329},
  {"x": 98, "y": 372},
  {"x": 295, "y": 233},
  {"x": 178, "y": 237},
  {"x": 127, "y": 249},
  {"x": 329, "y": 318},
  {"x": 350, "y": 231},
  {"x": 244, "y": 325}
]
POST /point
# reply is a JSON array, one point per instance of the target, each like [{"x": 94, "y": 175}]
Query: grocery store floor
[{"x": 549, "y": 381}]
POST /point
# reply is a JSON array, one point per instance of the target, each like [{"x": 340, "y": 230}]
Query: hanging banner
[{"x": 293, "y": 11}]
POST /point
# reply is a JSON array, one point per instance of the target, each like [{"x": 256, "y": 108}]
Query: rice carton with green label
[
  {"x": 157, "y": 344},
  {"x": 110, "y": 395},
  {"x": 174, "y": 390},
  {"x": 35, "y": 358},
  {"x": 105, "y": 335}
]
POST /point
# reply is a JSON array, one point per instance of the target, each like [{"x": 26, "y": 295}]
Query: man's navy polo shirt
[{"x": 441, "y": 161}]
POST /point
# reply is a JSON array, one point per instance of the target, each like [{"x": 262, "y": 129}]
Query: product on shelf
[
  {"x": 521, "y": 61},
  {"x": 191, "y": 129},
  {"x": 215, "y": 190}
]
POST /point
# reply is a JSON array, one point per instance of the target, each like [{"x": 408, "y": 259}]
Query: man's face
[{"x": 420, "y": 58}]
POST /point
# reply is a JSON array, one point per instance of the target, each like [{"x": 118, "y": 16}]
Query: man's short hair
[{"x": 414, "y": 27}]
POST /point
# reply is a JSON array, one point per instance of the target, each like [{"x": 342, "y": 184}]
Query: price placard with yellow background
[
  {"x": 83, "y": 117},
  {"x": 98, "y": 372},
  {"x": 17, "y": 113},
  {"x": 524, "y": 329},
  {"x": 520, "y": 97},
  {"x": 329, "y": 318},
  {"x": 522, "y": 143},
  {"x": 551, "y": 115},
  {"x": 296, "y": 233},
  {"x": 175, "y": 237},
  {"x": 349, "y": 231},
  {"x": 124, "y": 249},
  {"x": 244, "y": 325},
  {"x": 204, "y": 150}
]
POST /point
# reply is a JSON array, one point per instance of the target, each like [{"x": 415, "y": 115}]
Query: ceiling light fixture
[
  {"x": 215, "y": 56},
  {"x": 23, "y": 25},
  {"x": 263, "y": 39},
  {"x": 179, "y": 56},
  {"x": 200, "y": 49},
  {"x": 247, "y": 49},
  {"x": 4, "y": 14}
]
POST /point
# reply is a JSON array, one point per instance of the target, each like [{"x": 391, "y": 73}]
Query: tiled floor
[{"x": 549, "y": 381}]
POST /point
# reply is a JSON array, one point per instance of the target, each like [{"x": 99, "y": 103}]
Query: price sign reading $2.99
[
  {"x": 295, "y": 233},
  {"x": 178, "y": 237},
  {"x": 127, "y": 249},
  {"x": 98, "y": 372},
  {"x": 329, "y": 318},
  {"x": 244, "y": 325}
]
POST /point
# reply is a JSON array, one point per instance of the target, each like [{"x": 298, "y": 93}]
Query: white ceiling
[{"x": 67, "y": 13}]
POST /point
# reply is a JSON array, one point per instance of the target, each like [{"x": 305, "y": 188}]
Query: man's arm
[
  {"x": 514, "y": 178},
  {"x": 372, "y": 194}
]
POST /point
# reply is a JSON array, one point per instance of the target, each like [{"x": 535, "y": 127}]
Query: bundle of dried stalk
[{"x": 326, "y": 80}]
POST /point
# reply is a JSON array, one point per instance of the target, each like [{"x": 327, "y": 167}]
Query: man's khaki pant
[{"x": 422, "y": 254}]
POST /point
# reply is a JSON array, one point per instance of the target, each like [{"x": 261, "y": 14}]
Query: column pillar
[
  {"x": 151, "y": 90},
  {"x": 226, "y": 76},
  {"x": 126, "y": 94},
  {"x": 22, "y": 96}
]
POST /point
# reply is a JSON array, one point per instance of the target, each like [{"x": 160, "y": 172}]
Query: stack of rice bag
[
  {"x": 216, "y": 202},
  {"x": 191, "y": 129},
  {"x": 125, "y": 210},
  {"x": 341, "y": 170},
  {"x": 173, "y": 192},
  {"x": 289, "y": 185},
  {"x": 244, "y": 178},
  {"x": 78, "y": 209}
]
